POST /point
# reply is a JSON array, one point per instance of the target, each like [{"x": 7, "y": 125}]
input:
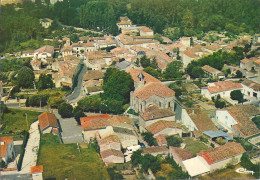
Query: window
[
  {"x": 248, "y": 93},
  {"x": 160, "y": 104},
  {"x": 226, "y": 117},
  {"x": 254, "y": 94},
  {"x": 169, "y": 104}
]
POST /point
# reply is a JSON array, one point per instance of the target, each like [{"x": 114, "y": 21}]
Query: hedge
[{"x": 25, "y": 140}]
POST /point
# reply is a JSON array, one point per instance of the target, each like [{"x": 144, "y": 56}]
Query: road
[{"x": 78, "y": 90}]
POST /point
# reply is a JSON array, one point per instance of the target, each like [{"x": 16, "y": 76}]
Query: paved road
[
  {"x": 16, "y": 177},
  {"x": 71, "y": 131},
  {"x": 78, "y": 90}
]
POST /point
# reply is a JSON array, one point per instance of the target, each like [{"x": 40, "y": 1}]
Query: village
[{"x": 205, "y": 119}]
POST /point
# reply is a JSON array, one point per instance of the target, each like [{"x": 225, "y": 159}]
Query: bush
[
  {"x": 220, "y": 141},
  {"x": 113, "y": 174},
  {"x": 25, "y": 140},
  {"x": 174, "y": 140},
  {"x": 246, "y": 163},
  {"x": 203, "y": 139},
  {"x": 3, "y": 164},
  {"x": 212, "y": 145},
  {"x": 148, "y": 137},
  {"x": 65, "y": 110},
  {"x": 78, "y": 113}
]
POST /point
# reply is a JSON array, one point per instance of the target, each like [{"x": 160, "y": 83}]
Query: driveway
[{"x": 71, "y": 131}]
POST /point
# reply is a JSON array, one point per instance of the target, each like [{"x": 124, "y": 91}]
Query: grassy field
[
  {"x": 227, "y": 173},
  {"x": 63, "y": 161},
  {"x": 194, "y": 146},
  {"x": 14, "y": 122}
]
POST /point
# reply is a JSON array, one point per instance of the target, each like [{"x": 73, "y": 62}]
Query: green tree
[
  {"x": 25, "y": 77},
  {"x": 150, "y": 162},
  {"x": 136, "y": 157},
  {"x": 237, "y": 95},
  {"x": 65, "y": 110},
  {"x": 173, "y": 70},
  {"x": 174, "y": 140},
  {"x": 78, "y": 113},
  {"x": 152, "y": 72},
  {"x": 197, "y": 72},
  {"x": 239, "y": 74},
  {"x": 154, "y": 63},
  {"x": 145, "y": 62},
  {"x": 45, "y": 82},
  {"x": 148, "y": 137}
]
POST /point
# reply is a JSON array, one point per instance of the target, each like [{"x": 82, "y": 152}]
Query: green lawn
[
  {"x": 227, "y": 173},
  {"x": 63, "y": 161},
  {"x": 194, "y": 146},
  {"x": 14, "y": 122}
]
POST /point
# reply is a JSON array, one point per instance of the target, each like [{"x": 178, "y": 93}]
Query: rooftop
[
  {"x": 111, "y": 152},
  {"x": 115, "y": 120},
  {"x": 155, "y": 149},
  {"x": 47, "y": 119},
  {"x": 183, "y": 154},
  {"x": 123, "y": 131},
  {"x": 249, "y": 83},
  {"x": 154, "y": 112},
  {"x": 93, "y": 74},
  {"x": 95, "y": 122},
  {"x": 107, "y": 140},
  {"x": 212, "y": 70},
  {"x": 222, "y": 152},
  {"x": 160, "y": 125},
  {"x": 146, "y": 29},
  {"x": 222, "y": 86},
  {"x": 147, "y": 77},
  {"x": 37, "y": 169}
]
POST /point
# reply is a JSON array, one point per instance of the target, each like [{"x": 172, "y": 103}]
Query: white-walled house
[
  {"x": 179, "y": 155},
  {"x": 237, "y": 119},
  {"x": 145, "y": 31},
  {"x": 251, "y": 89},
  {"x": 48, "y": 123},
  {"x": 44, "y": 52},
  {"x": 6, "y": 149},
  {"x": 112, "y": 156},
  {"x": 108, "y": 142},
  {"x": 222, "y": 88},
  {"x": 212, "y": 72},
  {"x": 163, "y": 127}
]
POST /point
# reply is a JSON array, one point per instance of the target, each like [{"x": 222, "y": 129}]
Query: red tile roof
[
  {"x": 183, "y": 154},
  {"x": 37, "y": 169},
  {"x": 161, "y": 140},
  {"x": 252, "y": 84},
  {"x": 95, "y": 122},
  {"x": 47, "y": 119},
  {"x": 108, "y": 140},
  {"x": 147, "y": 77},
  {"x": 154, "y": 88},
  {"x": 223, "y": 86},
  {"x": 111, "y": 152},
  {"x": 158, "y": 126},
  {"x": 211, "y": 70},
  {"x": 45, "y": 49},
  {"x": 3, "y": 146},
  {"x": 146, "y": 29},
  {"x": 154, "y": 112},
  {"x": 115, "y": 120},
  {"x": 223, "y": 152}
]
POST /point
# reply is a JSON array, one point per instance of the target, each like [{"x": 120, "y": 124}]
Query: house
[
  {"x": 237, "y": 119},
  {"x": 218, "y": 134},
  {"x": 145, "y": 31},
  {"x": 27, "y": 54},
  {"x": 155, "y": 150},
  {"x": 125, "y": 65},
  {"x": 185, "y": 41},
  {"x": 163, "y": 127},
  {"x": 161, "y": 140},
  {"x": 196, "y": 166},
  {"x": 251, "y": 89},
  {"x": 212, "y": 72},
  {"x": 66, "y": 50},
  {"x": 179, "y": 155},
  {"x": 248, "y": 64},
  {"x": 222, "y": 88},
  {"x": 36, "y": 64},
  {"x": 153, "y": 114},
  {"x": 93, "y": 81},
  {"x": 112, "y": 156},
  {"x": 109, "y": 142},
  {"x": 197, "y": 121},
  {"x": 124, "y": 23},
  {"x": 191, "y": 54},
  {"x": 7, "y": 149},
  {"x": 93, "y": 124},
  {"x": 149, "y": 91},
  {"x": 44, "y": 52},
  {"x": 36, "y": 172},
  {"x": 48, "y": 123},
  {"x": 117, "y": 121},
  {"x": 127, "y": 137},
  {"x": 46, "y": 22},
  {"x": 218, "y": 158}
]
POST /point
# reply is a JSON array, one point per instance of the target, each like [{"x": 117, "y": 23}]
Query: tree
[
  {"x": 45, "y": 82},
  {"x": 145, "y": 62},
  {"x": 78, "y": 113},
  {"x": 174, "y": 140},
  {"x": 197, "y": 72},
  {"x": 65, "y": 110},
  {"x": 154, "y": 63},
  {"x": 152, "y": 72},
  {"x": 136, "y": 157},
  {"x": 237, "y": 95},
  {"x": 173, "y": 70},
  {"x": 150, "y": 162},
  {"x": 239, "y": 74},
  {"x": 117, "y": 85},
  {"x": 25, "y": 77},
  {"x": 148, "y": 137}
]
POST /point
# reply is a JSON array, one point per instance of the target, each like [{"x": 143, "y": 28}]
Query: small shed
[{"x": 216, "y": 134}]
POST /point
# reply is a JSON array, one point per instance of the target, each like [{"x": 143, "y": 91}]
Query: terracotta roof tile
[
  {"x": 223, "y": 152},
  {"x": 201, "y": 120},
  {"x": 251, "y": 84},
  {"x": 241, "y": 114},
  {"x": 154, "y": 88},
  {"x": 93, "y": 74},
  {"x": 146, "y": 29},
  {"x": 155, "y": 149},
  {"x": 37, "y": 169},
  {"x": 212, "y": 70},
  {"x": 115, "y": 120},
  {"x": 108, "y": 140},
  {"x": 154, "y": 112},
  {"x": 158, "y": 126},
  {"x": 95, "y": 122},
  {"x": 47, "y": 119},
  {"x": 223, "y": 86},
  {"x": 3, "y": 146},
  {"x": 111, "y": 152},
  {"x": 183, "y": 154},
  {"x": 45, "y": 49},
  {"x": 147, "y": 77}
]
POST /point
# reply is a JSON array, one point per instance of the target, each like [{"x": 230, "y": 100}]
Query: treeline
[{"x": 195, "y": 16}]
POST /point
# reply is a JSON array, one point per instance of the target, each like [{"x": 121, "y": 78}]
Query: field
[
  {"x": 195, "y": 146},
  {"x": 227, "y": 173},
  {"x": 63, "y": 161},
  {"x": 14, "y": 122}
]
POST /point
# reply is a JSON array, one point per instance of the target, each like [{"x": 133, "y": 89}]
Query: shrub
[
  {"x": 174, "y": 140},
  {"x": 65, "y": 110},
  {"x": 148, "y": 137},
  {"x": 203, "y": 139},
  {"x": 220, "y": 141},
  {"x": 212, "y": 145}
]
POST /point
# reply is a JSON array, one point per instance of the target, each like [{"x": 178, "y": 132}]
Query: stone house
[
  {"x": 237, "y": 119},
  {"x": 212, "y": 72},
  {"x": 222, "y": 88},
  {"x": 155, "y": 150},
  {"x": 124, "y": 23},
  {"x": 109, "y": 142},
  {"x": 127, "y": 137},
  {"x": 48, "y": 123},
  {"x": 218, "y": 158},
  {"x": 145, "y": 31},
  {"x": 44, "y": 52},
  {"x": 7, "y": 152},
  {"x": 251, "y": 89},
  {"x": 27, "y": 54},
  {"x": 163, "y": 127},
  {"x": 93, "y": 81},
  {"x": 248, "y": 64},
  {"x": 149, "y": 91},
  {"x": 191, "y": 54},
  {"x": 185, "y": 41},
  {"x": 36, "y": 64},
  {"x": 66, "y": 50},
  {"x": 179, "y": 155},
  {"x": 93, "y": 124},
  {"x": 112, "y": 156}
]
